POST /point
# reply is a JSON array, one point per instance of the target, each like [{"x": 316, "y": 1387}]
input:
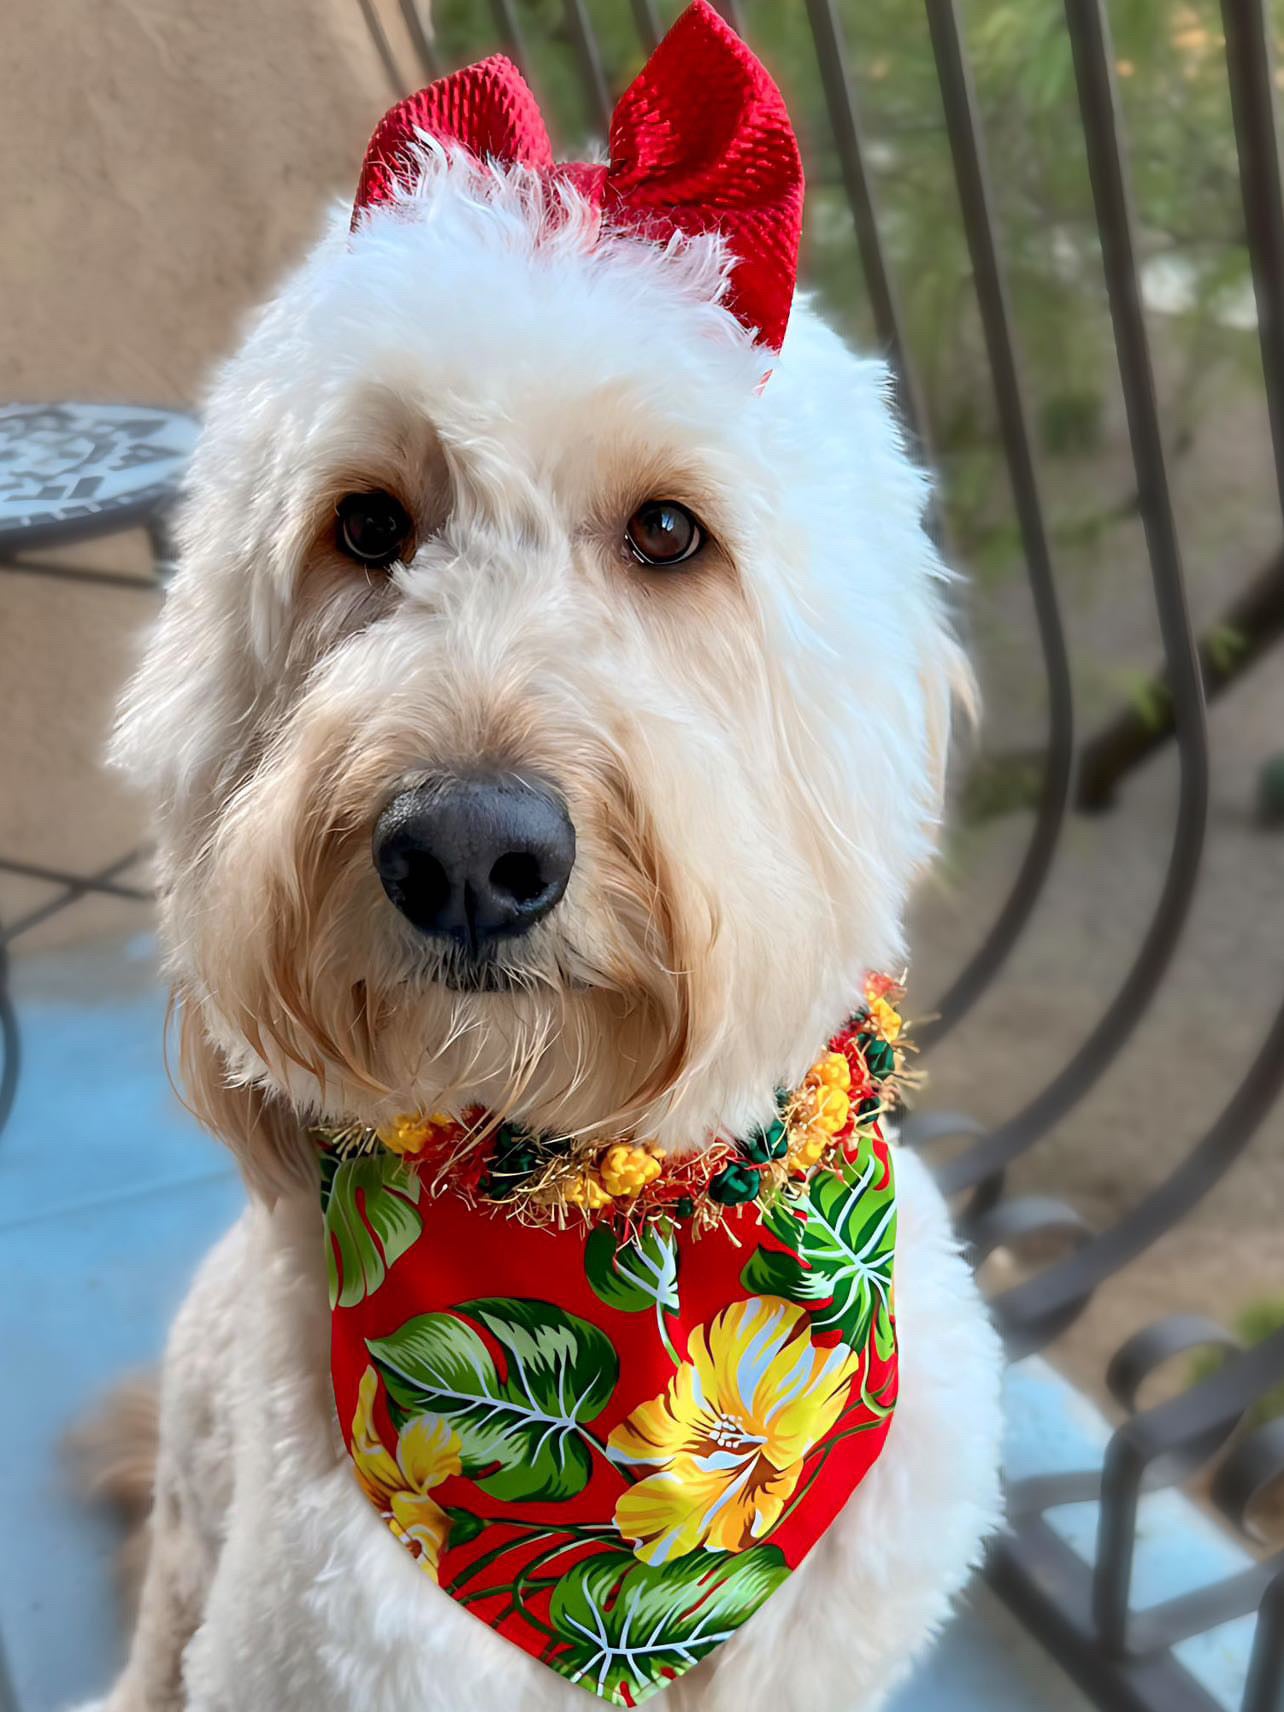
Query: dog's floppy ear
[{"x": 260, "y": 1127}]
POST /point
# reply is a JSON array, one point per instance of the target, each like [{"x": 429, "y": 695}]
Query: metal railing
[{"x": 1083, "y": 1612}]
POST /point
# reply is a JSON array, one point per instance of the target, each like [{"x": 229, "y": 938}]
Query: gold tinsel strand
[{"x": 633, "y": 1183}]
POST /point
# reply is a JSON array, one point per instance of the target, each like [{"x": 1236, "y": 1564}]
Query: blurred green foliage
[
  {"x": 1172, "y": 80},
  {"x": 1252, "y": 1325}
]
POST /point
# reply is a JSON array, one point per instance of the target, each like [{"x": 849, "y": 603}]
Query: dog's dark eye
[
  {"x": 373, "y": 529},
  {"x": 661, "y": 532}
]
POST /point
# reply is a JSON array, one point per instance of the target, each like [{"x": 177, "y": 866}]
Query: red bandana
[
  {"x": 700, "y": 142},
  {"x": 613, "y": 1443}
]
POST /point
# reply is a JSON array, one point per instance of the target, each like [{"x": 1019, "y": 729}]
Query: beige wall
[{"x": 161, "y": 161}]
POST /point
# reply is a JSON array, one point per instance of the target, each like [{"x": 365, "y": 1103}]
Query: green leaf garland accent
[
  {"x": 626, "y": 1623},
  {"x": 370, "y": 1221},
  {"x": 842, "y": 1237},
  {"x": 734, "y": 1185},
  {"x": 879, "y": 1055},
  {"x": 763, "y": 1145},
  {"x": 515, "y": 1157},
  {"x": 524, "y": 1433}
]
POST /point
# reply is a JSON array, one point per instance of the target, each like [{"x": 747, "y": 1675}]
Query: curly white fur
[{"x": 751, "y": 751}]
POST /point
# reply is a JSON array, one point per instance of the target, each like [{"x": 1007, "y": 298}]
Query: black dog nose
[{"x": 475, "y": 859}]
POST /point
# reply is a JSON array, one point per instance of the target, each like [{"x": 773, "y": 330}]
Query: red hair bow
[{"x": 700, "y": 142}]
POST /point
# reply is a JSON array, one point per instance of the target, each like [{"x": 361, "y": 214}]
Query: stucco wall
[{"x": 162, "y": 161}]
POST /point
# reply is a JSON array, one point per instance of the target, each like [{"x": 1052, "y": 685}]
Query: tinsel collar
[
  {"x": 609, "y": 1400},
  {"x": 630, "y": 1182}
]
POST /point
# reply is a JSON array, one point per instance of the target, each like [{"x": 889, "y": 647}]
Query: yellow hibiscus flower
[
  {"x": 427, "y": 1453},
  {"x": 728, "y": 1438}
]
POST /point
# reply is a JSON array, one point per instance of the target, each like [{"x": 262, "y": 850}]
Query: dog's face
[{"x": 545, "y": 713}]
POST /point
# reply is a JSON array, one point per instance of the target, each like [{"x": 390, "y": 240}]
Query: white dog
[{"x": 499, "y": 552}]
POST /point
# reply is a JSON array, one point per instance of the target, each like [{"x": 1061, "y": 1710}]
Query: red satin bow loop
[
  {"x": 700, "y": 142},
  {"x": 487, "y": 107}
]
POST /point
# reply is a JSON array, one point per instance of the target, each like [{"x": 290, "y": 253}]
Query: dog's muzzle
[{"x": 476, "y": 859}]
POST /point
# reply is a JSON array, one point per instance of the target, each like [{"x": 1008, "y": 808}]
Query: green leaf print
[
  {"x": 842, "y": 1239},
  {"x": 370, "y": 1222},
  {"x": 524, "y": 1432},
  {"x": 637, "y": 1276},
  {"x": 626, "y": 1624},
  {"x": 464, "y": 1525}
]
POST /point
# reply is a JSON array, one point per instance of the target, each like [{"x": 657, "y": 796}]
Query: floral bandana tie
[{"x": 611, "y": 1424}]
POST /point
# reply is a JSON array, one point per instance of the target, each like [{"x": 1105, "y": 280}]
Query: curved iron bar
[
  {"x": 420, "y": 40},
  {"x": 1251, "y": 1469},
  {"x": 510, "y": 32},
  {"x": 731, "y": 11},
  {"x": 966, "y": 150},
  {"x": 1030, "y": 1311},
  {"x": 10, "y": 1041},
  {"x": 923, "y": 1128},
  {"x": 1264, "y": 1690},
  {"x": 78, "y": 574},
  {"x": 382, "y": 47},
  {"x": 75, "y": 886},
  {"x": 1193, "y": 1418},
  {"x": 589, "y": 56},
  {"x": 1014, "y": 1219},
  {"x": 1161, "y": 1627},
  {"x": 971, "y": 174},
  {"x": 844, "y": 121},
  {"x": 8, "y": 1694},
  {"x": 648, "y": 23},
  {"x": 1142, "y": 1355},
  {"x": 1035, "y": 1309},
  {"x": 1102, "y": 124},
  {"x": 1047, "y": 1586},
  {"x": 1248, "y": 63},
  {"x": 1083, "y": 1611}
]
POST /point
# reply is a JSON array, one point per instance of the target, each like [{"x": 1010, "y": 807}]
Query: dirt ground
[{"x": 141, "y": 224}]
